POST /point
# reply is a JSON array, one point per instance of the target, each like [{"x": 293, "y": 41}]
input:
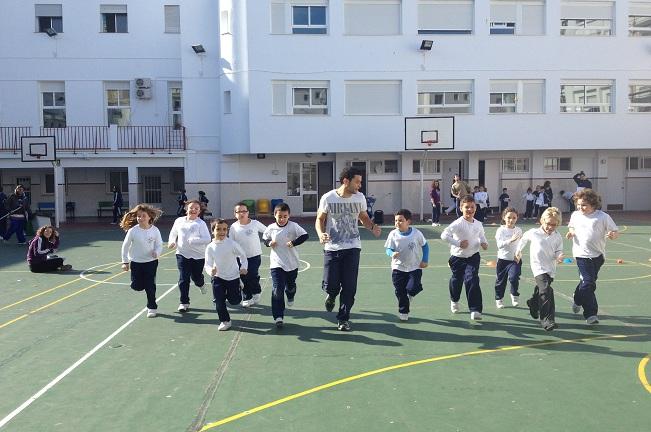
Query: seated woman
[{"x": 41, "y": 249}]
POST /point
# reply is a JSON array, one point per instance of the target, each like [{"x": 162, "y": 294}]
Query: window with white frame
[
  {"x": 172, "y": 18},
  {"x": 517, "y": 96},
  {"x": 372, "y": 17},
  {"x": 119, "y": 179},
  {"x": 444, "y": 97},
  {"x": 118, "y": 103},
  {"x": 639, "y": 18},
  {"x": 387, "y": 166},
  {"x": 53, "y": 104},
  {"x": 517, "y": 17},
  {"x": 373, "y": 97},
  {"x": 639, "y": 96},
  {"x": 557, "y": 164},
  {"x": 445, "y": 16},
  {"x": 586, "y": 97},
  {"x": 225, "y": 21},
  {"x": 583, "y": 18},
  {"x": 113, "y": 18},
  {"x": 515, "y": 165},
  {"x": 176, "y": 105},
  {"x": 300, "y": 97},
  {"x": 309, "y": 19},
  {"x": 635, "y": 163},
  {"x": 431, "y": 166},
  {"x": 49, "y": 16}
]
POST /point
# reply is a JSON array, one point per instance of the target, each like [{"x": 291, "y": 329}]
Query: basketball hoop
[{"x": 429, "y": 143}]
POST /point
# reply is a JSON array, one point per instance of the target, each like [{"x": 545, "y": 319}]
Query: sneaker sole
[{"x": 532, "y": 312}]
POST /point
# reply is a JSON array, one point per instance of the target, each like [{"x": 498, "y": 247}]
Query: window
[
  {"x": 639, "y": 96},
  {"x": 517, "y": 96},
  {"x": 225, "y": 22},
  {"x": 53, "y": 101},
  {"x": 515, "y": 165},
  {"x": 118, "y": 103},
  {"x": 227, "y": 102},
  {"x": 635, "y": 163},
  {"x": 432, "y": 166},
  {"x": 119, "y": 179},
  {"x": 517, "y": 17},
  {"x": 310, "y": 100},
  {"x": 300, "y": 97},
  {"x": 389, "y": 166},
  {"x": 439, "y": 97},
  {"x": 176, "y": 111},
  {"x": 557, "y": 164},
  {"x": 172, "y": 19},
  {"x": 152, "y": 189},
  {"x": 639, "y": 19},
  {"x": 178, "y": 181},
  {"x": 373, "y": 97},
  {"x": 586, "y": 18},
  {"x": 293, "y": 179},
  {"x": 586, "y": 97},
  {"x": 372, "y": 17},
  {"x": 114, "y": 18},
  {"x": 445, "y": 16},
  {"x": 49, "y": 184},
  {"x": 49, "y": 16},
  {"x": 309, "y": 20}
]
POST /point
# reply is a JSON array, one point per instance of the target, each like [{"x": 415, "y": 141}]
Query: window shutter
[{"x": 172, "y": 19}]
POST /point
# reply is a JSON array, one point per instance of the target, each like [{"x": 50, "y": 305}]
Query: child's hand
[
  {"x": 289, "y": 244},
  {"x": 559, "y": 259},
  {"x": 569, "y": 235},
  {"x": 243, "y": 271},
  {"x": 612, "y": 235},
  {"x": 484, "y": 246},
  {"x": 273, "y": 243},
  {"x": 213, "y": 271},
  {"x": 422, "y": 264},
  {"x": 125, "y": 266},
  {"x": 463, "y": 244},
  {"x": 377, "y": 231},
  {"x": 154, "y": 254},
  {"x": 516, "y": 237},
  {"x": 517, "y": 258},
  {"x": 171, "y": 245},
  {"x": 395, "y": 255}
]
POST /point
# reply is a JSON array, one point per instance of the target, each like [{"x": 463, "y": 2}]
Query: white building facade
[{"x": 289, "y": 92}]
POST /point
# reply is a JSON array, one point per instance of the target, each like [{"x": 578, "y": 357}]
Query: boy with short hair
[
  {"x": 282, "y": 237},
  {"x": 466, "y": 235},
  {"x": 409, "y": 254},
  {"x": 505, "y": 199}
]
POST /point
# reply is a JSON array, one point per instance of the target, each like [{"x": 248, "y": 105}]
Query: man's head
[{"x": 351, "y": 178}]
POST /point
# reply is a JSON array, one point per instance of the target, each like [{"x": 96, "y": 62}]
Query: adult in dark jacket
[
  {"x": 117, "y": 204},
  {"x": 40, "y": 255},
  {"x": 3, "y": 213},
  {"x": 581, "y": 181},
  {"x": 17, "y": 205}
]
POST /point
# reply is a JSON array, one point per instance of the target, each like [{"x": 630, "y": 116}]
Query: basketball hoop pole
[
  {"x": 57, "y": 205},
  {"x": 422, "y": 186}
]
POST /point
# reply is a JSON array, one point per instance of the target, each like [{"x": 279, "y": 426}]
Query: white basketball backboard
[
  {"x": 429, "y": 133},
  {"x": 37, "y": 148}
]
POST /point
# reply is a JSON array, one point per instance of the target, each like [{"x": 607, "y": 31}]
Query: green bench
[{"x": 108, "y": 206}]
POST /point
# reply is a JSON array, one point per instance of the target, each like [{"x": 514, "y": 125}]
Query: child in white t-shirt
[
  {"x": 507, "y": 268},
  {"x": 409, "y": 254}
]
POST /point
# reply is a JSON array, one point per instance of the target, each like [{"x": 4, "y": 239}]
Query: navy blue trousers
[
  {"x": 507, "y": 270},
  {"x": 251, "y": 279},
  {"x": 406, "y": 284},
  {"x": 189, "y": 268},
  {"x": 143, "y": 277},
  {"x": 283, "y": 282},
  {"x": 223, "y": 290},
  {"x": 16, "y": 226},
  {"x": 340, "y": 270},
  {"x": 529, "y": 210},
  {"x": 436, "y": 212},
  {"x": 465, "y": 271},
  {"x": 584, "y": 294}
]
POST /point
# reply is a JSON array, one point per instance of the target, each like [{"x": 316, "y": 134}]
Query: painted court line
[
  {"x": 641, "y": 373},
  {"x": 75, "y": 365},
  {"x": 395, "y": 367}
]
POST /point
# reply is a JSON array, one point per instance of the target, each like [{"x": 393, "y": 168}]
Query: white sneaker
[
  {"x": 290, "y": 303},
  {"x": 576, "y": 308},
  {"x": 151, "y": 313},
  {"x": 279, "y": 322},
  {"x": 403, "y": 317},
  {"x": 255, "y": 299},
  {"x": 183, "y": 307},
  {"x": 475, "y": 316},
  {"x": 224, "y": 325},
  {"x": 247, "y": 303},
  {"x": 454, "y": 306},
  {"x": 499, "y": 304},
  {"x": 202, "y": 288},
  {"x": 515, "y": 300},
  {"x": 592, "y": 320}
]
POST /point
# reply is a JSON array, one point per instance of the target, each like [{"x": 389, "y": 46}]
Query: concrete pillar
[
  {"x": 134, "y": 187},
  {"x": 59, "y": 195}
]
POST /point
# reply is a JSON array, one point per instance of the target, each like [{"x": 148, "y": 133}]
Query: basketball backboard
[
  {"x": 38, "y": 148},
  {"x": 429, "y": 133}
]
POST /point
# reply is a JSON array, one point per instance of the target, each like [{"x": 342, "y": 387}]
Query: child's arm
[
  {"x": 204, "y": 236},
  {"x": 299, "y": 241},
  {"x": 260, "y": 226},
  {"x": 125, "y": 250},
  {"x": 158, "y": 244},
  {"x": 424, "y": 261},
  {"x": 448, "y": 236},
  {"x": 244, "y": 263},
  {"x": 209, "y": 266},
  {"x": 523, "y": 243},
  {"x": 171, "y": 240},
  {"x": 391, "y": 253},
  {"x": 482, "y": 237},
  {"x": 613, "y": 230}
]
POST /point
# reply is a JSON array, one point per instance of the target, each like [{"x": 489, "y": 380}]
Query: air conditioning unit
[
  {"x": 143, "y": 93},
  {"x": 143, "y": 82}
]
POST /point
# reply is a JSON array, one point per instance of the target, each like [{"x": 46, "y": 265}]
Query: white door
[
  {"x": 309, "y": 187},
  {"x": 615, "y": 186}
]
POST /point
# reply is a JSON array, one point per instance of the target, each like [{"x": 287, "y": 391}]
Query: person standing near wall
[
  {"x": 459, "y": 189},
  {"x": 117, "y": 205}
]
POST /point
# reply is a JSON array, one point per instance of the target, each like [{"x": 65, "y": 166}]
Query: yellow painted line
[
  {"x": 395, "y": 367},
  {"x": 642, "y": 375}
]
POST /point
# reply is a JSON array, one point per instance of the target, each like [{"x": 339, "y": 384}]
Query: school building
[{"x": 269, "y": 99}]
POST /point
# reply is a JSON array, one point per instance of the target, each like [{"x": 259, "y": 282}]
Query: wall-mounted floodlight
[
  {"x": 426, "y": 45},
  {"x": 199, "y": 49},
  {"x": 51, "y": 32}
]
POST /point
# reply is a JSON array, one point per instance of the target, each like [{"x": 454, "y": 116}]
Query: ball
[
  {"x": 620, "y": 261},
  {"x": 567, "y": 260}
]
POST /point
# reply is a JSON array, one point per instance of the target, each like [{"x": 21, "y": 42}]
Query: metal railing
[
  {"x": 151, "y": 138},
  {"x": 10, "y": 137},
  {"x": 80, "y": 138}
]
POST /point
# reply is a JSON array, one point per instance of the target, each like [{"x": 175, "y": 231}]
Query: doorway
[{"x": 615, "y": 186}]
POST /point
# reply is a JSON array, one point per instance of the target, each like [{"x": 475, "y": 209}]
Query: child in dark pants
[
  {"x": 507, "y": 269},
  {"x": 283, "y": 237},
  {"x": 409, "y": 254},
  {"x": 140, "y": 251},
  {"x": 546, "y": 250},
  {"x": 222, "y": 266}
]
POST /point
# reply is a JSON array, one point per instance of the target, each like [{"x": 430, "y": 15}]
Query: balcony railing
[
  {"x": 80, "y": 138},
  {"x": 151, "y": 138},
  {"x": 10, "y": 138}
]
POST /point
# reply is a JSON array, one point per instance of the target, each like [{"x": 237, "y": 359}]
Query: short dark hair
[
  {"x": 348, "y": 173},
  {"x": 508, "y": 210},
  {"x": 282, "y": 207},
  {"x": 467, "y": 199},
  {"x": 216, "y": 222},
  {"x": 405, "y": 213},
  {"x": 503, "y": 189},
  {"x": 241, "y": 204}
]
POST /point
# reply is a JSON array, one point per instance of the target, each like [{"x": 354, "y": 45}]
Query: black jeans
[
  {"x": 49, "y": 265},
  {"x": 406, "y": 284},
  {"x": 223, "y": 290},
  {"x": 189, "y": 268},
  {"x": 507, "y": 270},
  {"x": 543, "y": 298},
  {"x": 340, "y": 270},
  {"x": 436, "y": 212},
  {"x": 251, "y": 279},
  {"x": 283, "y": 282},
  {"x": 143, "y": 277},
  {"x": 466, "y": 271}
]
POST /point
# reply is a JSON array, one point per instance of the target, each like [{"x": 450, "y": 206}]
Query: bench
[
  {"x": 108, "y": 206},
  {"x": 45, "y": 207}
]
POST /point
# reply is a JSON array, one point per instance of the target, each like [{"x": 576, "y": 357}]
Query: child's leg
[
  {"x": 414, "y": 285},
  {"x": 471, "y": 280},
  {"x": 458, "y": 267},
  {"x": 252, "y": 282},
  {"x": 400, "y": 280},
  {"x": 137, "y": 276},
  {"x": 219, "y": 296},
  {"x": 502, "y": 273},
  {"x": 196, "y": 268},
  {"x": 514, "y": 272},
  {"x": 584, "y": 295},
  {"x": 279, "y": 282},
  {"x": 233, "y": 292},
  {"x": 546, "y": 307},
  {"x": 536, "y": 207},
  {"x": 185, "y": 271},
  {"x": 149, "y": 279},
  {"x": 290, "y": 288}
]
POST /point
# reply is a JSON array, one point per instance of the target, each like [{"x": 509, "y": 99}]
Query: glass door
[{"x": 309, "y": 187}]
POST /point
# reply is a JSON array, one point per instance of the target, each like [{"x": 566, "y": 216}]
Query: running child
[
  {"x": 589, "y": 228},
  {"x": 245, "y": 232},
  {"x": 282, "y": 237},
  {"x": 409, "y": 254},
  {"x": 140, "y": 251},
  {"x": 40, "y": 255},
  {"x": 221, "y": 264},
  {"x": 465, "y": 235},
  {"x": 507, "y": 269},
  {"x": 546, "y": 250}
]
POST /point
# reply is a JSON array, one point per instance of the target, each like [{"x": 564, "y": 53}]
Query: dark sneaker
[
  {"x": 550, "y": 326},
  {"x": 65, "y": 267},
  {"x": 329, "y": 303},
  {"x": 343, "y": 326},
  {"x": 533, "y": 308}
]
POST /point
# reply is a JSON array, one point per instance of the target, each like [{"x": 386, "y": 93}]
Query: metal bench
[
  {"x": 46, "y": 208},
  {"x": 108, "y": 206}
]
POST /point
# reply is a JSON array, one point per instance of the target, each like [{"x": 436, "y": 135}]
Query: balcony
[{"x": 96, "y": 139}]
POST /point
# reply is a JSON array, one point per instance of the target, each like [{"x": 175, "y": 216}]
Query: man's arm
[
  {"x": 319, "y": 226},
  {"x": 369, "y": 225}
]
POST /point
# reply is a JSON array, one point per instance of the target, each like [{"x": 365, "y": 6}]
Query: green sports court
[{"x": 77, "y": 352}]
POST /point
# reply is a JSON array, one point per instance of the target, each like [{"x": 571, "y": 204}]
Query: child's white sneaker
[
  {"x": 247, "y": 303},
  {"x": 515, "y": 300},
  {"x": 290, "y": 303},
  {"x": 151, "y": 313},
  {"x": 183, "y": 307},
  {"x": 279, "y": 322},
  {"x": 592, "y": 320},
  {"x": 475, "y": 316},
  {"x": 454, "y": 306},
  {"x": 499, "y": 304},
  {"x": 403, "y": 316},
  {"x": 202, "y": 288},
  {"x": 255, "y": 299},
  {"x": 224, "y": 325}
]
